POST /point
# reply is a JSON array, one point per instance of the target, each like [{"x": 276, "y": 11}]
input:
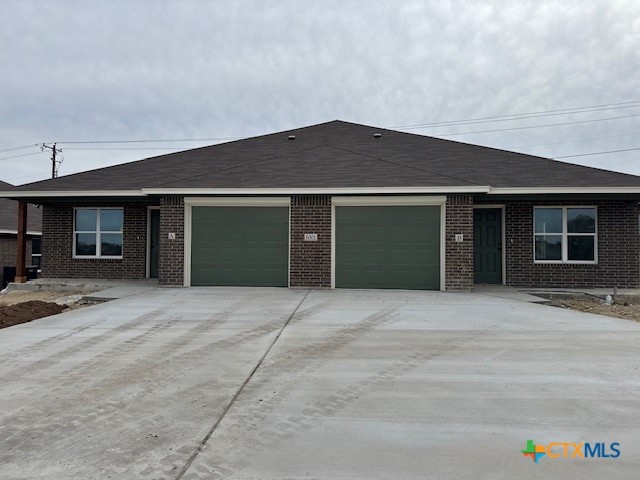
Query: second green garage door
[
  {"x": 240, "y": 246},
  {"x": 388, "y": 247}
]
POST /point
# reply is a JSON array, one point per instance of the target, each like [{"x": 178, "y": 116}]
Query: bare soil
[
  {"x": 626, "y": 306},
  {"x": 20, "y": 306},
  {"x": 26, "y": 311}
]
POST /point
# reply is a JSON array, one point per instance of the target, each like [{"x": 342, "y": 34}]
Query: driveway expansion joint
[{"x": 240, "y": 390}]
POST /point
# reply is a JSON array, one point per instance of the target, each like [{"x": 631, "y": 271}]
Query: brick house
[
  {"x": 343, "y": 205},
  {"x": 9, "y": 233}
]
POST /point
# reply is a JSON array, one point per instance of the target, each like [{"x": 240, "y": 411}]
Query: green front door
[
  {"x": 240, "y": 246},
  {"x": 487, "y": 245},
  {"x": 388, "y": 247}
]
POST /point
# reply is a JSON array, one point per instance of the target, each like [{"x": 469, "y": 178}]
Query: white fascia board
[
  {"x": 389, "y": 201},
  {"x": 562, "y": 190},
  {"x": 15, "y": 232},
  {"x": 238, "y": 201},
  {"x": 316, "y": 191},
  {"x": 73, "y": 193}
]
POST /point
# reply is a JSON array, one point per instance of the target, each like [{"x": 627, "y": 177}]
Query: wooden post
[{"x": 21, "y": 255}]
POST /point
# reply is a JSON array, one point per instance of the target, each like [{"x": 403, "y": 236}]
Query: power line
[
  {"x": 21, "y": 147},
  {"x": 127, "y": 148},
  {"x": 599, "y": 153},
  {"x": 523, "y": 115},
  {"x": 578, "y": 140},
  {"x": 538, "y": 126},
  {"x": 514, "y": 118},
  {"x": 152, "y": 141},
  {"x": 17, "y": 156}
]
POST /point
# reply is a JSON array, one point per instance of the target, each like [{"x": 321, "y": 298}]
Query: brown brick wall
[
  {"x": 310, "y": 262},
  {"x": 57, "y": 244},
  {"x": 618, "y": 248},
  {"x": 459, "y": 255},
  {"x": 171, "y": 265}
]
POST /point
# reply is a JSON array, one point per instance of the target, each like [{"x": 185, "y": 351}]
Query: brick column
[
  {"x": 171, "y": 264},
  {"x": 310, "y": 262},
  {"x": 459, "y": 255}
]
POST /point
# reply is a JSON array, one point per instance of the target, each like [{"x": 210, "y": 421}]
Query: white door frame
[
  {"x": 190, "y": 202},
  {"x": 500, "y": 206},
  {"x": 379, "y": 201}
]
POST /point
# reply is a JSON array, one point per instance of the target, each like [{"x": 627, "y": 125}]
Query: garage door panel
[
  {"x": 398, "y": 256},
  {"x": 372, "y": 234},
  {"x": 351, "y": 256},
  {"x": 400, "y": 277},
  {"x": 373, "y": 256},
  {"x": 268, "y": 234},
  {"x": 398, "y": 247},
  {"x": 349, "y": 233},
  {"x": 273, "y": 256},
  {"x": 240, "y": 246},
  {"x": 426, "y": 256},
  {"x": 423, "y": 277},
  {"x": 425, "y": 234},
  {"x": 377, "y": 276},
  {"x": 208, "y": 255},
  {"x": 351, "y": 278},
  {"x": 399, "y": 234}
]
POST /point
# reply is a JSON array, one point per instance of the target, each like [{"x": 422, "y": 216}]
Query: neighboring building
[
  {"x": 9, "y": 232},
  {"x": 343, "y": 205}
]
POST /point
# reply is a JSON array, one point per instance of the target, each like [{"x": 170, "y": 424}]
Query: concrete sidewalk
[{"x": 361, "y": 384}]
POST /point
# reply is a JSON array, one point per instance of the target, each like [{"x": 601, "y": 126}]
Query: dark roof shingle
[
  {"x": 339, "y": 154},
  {"x": 9, "y": 213}
]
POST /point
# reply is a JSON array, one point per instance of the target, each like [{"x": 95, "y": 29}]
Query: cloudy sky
[{"x": 164, "y": 70}]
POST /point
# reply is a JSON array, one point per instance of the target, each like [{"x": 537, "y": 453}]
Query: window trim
[
  {"x": 565, "y": 237},
  {"x": 98, "y": 233}
]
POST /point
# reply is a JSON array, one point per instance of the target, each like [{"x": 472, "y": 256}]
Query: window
[
  {"x": 36, "y": 253},
  {"x": 97, "y": 232},
  {"x": 565, "y": 234}
]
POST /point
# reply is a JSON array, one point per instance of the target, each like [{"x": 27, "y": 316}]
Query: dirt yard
[
  {"x": 626, "y": 306},
  {"x": 22, "y": 306}
]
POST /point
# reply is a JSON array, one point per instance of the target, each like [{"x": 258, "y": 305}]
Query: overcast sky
[{"x": 139, "y": 70}]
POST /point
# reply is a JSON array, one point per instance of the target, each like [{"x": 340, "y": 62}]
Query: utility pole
[{"x": 54, "y": 161}]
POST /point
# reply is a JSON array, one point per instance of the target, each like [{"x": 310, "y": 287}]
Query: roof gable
[{"x": 338, "y": 154}]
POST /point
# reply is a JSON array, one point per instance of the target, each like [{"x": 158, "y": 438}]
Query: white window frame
[
  {"x": 565, "y": 236},
  {"x": 98, "y": 233}
]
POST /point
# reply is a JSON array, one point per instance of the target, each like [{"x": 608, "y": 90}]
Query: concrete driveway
[{"x": 196, "y": 383}]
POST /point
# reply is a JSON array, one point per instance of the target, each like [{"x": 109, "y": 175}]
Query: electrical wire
[
  {"x": 17, "y": 156},
  {"x": 21, "y": 147},
  {"x": 148, "y": 141},
  {"x": 498, "y": 118},
  {"x": 126, "y": 148},
  {"x": 538, "y": 126},
  {"x": 598, "y": 153},
  {"x": 578, "y": 140}
]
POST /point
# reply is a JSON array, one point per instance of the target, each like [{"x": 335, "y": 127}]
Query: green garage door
[
  {"x": 246, "y": 246},
  {"x": 388, "y": 247}
]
